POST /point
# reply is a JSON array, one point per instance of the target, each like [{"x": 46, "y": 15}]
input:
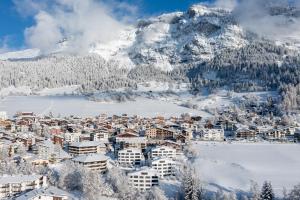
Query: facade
[
  {"x": 212, "y": 134},
  {"x": 164, "y": 166},
  {"x": 130, "y": 157},
  {"x": 86, "y": 147},
  {"x": 163, "y": 151},
  {"x": 15, "y": 184},
  {"x": 50, "y": 193},
  {"x": 49, "y": 151},
  {"x": 92, "y": 161},
  {"x": 151, "y": 133},
  {"x": 245, "y": 134},
  {"x": 72, "y": 137},
  {"x": 100, "y": 136},
  {"x": 159, "y": 133},
  {"x": 134, "y": 142},
  {"x": 143, "y": 179}
]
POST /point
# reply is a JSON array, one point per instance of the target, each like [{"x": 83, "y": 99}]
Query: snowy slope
[
  {"x": 233, "y": 166},
  {"x": 165, "y": 41},
  {"x": 169, "y": 40},
  {"x": 28, "y": 53}
]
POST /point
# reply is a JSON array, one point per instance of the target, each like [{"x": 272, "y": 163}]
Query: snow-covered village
[
  {"x": 150, "y": 100},
  {"x": 131, "y": 157}
]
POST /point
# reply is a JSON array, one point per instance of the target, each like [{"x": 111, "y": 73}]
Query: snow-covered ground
[
  {"x": 233, "y": 166},
  {"x": 80, "y": 106},
  {"x": 150, "y": 99}
]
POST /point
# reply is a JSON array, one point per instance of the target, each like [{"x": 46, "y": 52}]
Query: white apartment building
[
  {"x": 143, "y": 179},
  {"x": 130, "y": 157},
  {"x": 103, "y": 135},
  {"x": 72, "y": 137},
  {"x": 212, "y": 134},
  {"x": 163, "y": 151},
  {"x": 164, "y": 166},
  {"x": 15, "y": 184},
  {"x": 92, "y": 161},
  {"x": 49, "y": 193}
]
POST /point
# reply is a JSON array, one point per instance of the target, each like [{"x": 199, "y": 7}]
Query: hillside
[{"x": 206, "y": 46}]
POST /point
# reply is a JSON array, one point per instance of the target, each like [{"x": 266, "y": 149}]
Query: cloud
[
  {"x": 45, "y": 34},
  {"x": 226, "y": 4},
  {"x": 82, "y": 22},
  {"x": 265, "y": 19}
]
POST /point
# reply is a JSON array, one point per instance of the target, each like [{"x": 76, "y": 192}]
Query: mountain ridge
[{"x": 190, "y": 46}]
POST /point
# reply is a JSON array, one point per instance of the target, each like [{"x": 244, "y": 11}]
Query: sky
[
  {"x": 13, "y": 23},
  {"x": 43, "y": 24}
]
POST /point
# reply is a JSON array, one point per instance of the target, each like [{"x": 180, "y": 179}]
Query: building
[
  {"x": 214, "y": 134},
  {"x": 15, "y": 184},
  {"x": 164, "y": 166},
  {"x": 130, "y": 157},
  {"x": 49, "y": 193},
  {"x": 245, "y": 133},
  {"x": 3, "y": 115},
  {"x": 160, "y": 133},
  {"x": 143, "y": 179},
  {"x": 133, "y": 142},
  {"x": 86, "y": 147},
  {"x": 49, "y": 151},
  {"x": 72, "y": 137},
  {"x": 92, "y": 161},
  {"x": 163, "y": 151},
  {"x": 103, "y": 135}
]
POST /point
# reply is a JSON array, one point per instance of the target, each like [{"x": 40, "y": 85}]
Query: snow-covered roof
[
  {"x": 90, "y": 158},
  {"x": 49, "y": 192},
  {"x": 133, "y": 140},
  {"x": 86, "y": 144},
  {"x": 159, "y": 159},
  {"x": 5, "y": 179},
  {"x": 161, "y": 148},
  {"x": 144, "y": 171},
  {"x": 133, "y": 150}
]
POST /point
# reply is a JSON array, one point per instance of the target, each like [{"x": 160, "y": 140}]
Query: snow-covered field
[
  {"x": 233, "y": 166},
  {"x": 80, "y": 106}
]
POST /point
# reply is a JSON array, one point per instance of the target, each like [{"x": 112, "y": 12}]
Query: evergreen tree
[
  {"x": 267, "y": 191},
  {"x": 191, "y": 185}
]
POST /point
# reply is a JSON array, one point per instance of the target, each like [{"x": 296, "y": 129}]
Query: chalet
[
  {"x": 160, "y": 133},
  {"x": 245, "y": 133},
  {"x": 58, "y": 139}
]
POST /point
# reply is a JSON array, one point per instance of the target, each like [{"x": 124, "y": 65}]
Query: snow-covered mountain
[
  {"x": 191, "y": 45},
  {"x": 167, "y": 40}
]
